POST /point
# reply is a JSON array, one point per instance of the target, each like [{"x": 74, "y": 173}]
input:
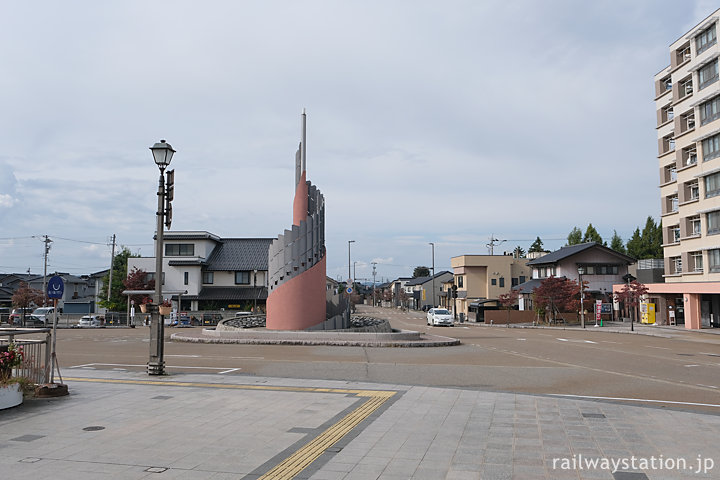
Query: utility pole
[
  {"x": 491, "y": 245},
  {"x": 374, "y": 273},
  {"x": 112, "y": 260},
  {"x": 46, "y": 250},
  {"x": 432, "y": 279}
]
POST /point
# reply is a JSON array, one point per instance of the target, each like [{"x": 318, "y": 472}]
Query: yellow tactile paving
[{"x": 302, "y": 458}]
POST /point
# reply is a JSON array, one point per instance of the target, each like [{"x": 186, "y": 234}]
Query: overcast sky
[{"x": 442, "y": 122}]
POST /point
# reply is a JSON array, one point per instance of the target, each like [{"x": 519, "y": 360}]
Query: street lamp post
[
  {"x": 581, "y": 272},
  {"x": 162, "y": 154},
  {"x": 432, "y": 279},
  {"x": 255, "y": 272},
  {"x": 349, "y": 280}
]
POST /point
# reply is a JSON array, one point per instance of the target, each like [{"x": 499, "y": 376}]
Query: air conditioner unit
[
  {"x": 691, "y": 122},
  {"x": 687, "y": 55},
  {"x": 688, "y": 88}
]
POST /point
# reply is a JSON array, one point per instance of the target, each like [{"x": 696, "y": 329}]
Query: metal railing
[{"x": 35, "y": 343}]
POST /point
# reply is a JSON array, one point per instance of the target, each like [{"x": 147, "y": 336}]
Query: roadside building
[
  {"x": 687, "y": 101},
  {"x": 481, "y": 279},
  {"x": 601, "y": 268},
  {"x": 217, "y": 273},
  {"x": 423, "y": 289}
]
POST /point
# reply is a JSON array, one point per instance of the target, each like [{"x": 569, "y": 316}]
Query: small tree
[
  {"x": 630, "y": 295},
  {"x": 507, "y": 301},
  {"x": 421, "y": 272},
  {"x": 26, "y": 297},
  {"x": 137, "y": 280},
  {"x": 117, "y": 299},
  {"x": 519, "y": 252},
  {"x": 617, "y": 244},
  {"x": 537, "y": 246},
  {"x": 557, "y": 295},
  {"x": 592, "y": 235},
  {"x": 574, "y": 237}
]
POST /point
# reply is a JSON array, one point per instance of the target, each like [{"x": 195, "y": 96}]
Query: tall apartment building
[{"x": 687, "y": 100}]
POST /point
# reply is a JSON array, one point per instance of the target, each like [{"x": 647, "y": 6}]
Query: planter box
[{"x": 10, "y": 395}]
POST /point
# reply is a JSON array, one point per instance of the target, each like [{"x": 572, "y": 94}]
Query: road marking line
[
  {"x": 709, "y": 386},
  {"x": 693, "y": 365},
  {"x": 93, "y": 365},
  {"x": 228, "y": 371},
  {"x": 661, "y": 348},
  {"x": 635, "y": 400}
]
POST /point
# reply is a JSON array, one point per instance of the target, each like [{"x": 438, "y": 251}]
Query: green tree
[
  {"x": 652, "y": 239},
  {"x": 421, "y": 272},
  {"x": 519, "y": 252},
  {"x": 592, "y": 235},
  {"x": 634, "y": 244},
  {"x": 574, "y": 237},
  {"x": 117, "y": 300},
  {"x": 616, "y": 243},
  {"x": 537, "y": 246}
]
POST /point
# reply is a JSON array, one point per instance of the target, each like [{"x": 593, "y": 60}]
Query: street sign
[
  {"x": 55, "y": 287},
  {"x": 349, "y": 290}
]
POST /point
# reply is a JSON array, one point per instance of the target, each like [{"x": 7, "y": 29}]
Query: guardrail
[{"x": 36, "y": 349}]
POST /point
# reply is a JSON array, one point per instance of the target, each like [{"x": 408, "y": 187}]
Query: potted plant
[
  {"x": 165, "y": 307},
  {"x": 10, "y": 392},
  {"x": 143, "y": 305}
]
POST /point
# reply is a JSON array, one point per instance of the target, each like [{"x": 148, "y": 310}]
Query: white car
[
  {"x": 439, "y": 316},
  {"x": 90, "y": 321},
  {"x": 43, "y": 315}
]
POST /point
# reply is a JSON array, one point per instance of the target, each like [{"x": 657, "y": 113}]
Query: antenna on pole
[{"x": 491, "y": 245}]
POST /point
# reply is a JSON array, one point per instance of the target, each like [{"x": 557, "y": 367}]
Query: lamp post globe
[{"x": 162, "y": 154}]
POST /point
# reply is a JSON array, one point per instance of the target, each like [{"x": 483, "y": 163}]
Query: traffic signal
[{"x": 169, "y": 196}]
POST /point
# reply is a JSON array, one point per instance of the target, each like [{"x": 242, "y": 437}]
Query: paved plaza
[{"x": 127, "y": 425}]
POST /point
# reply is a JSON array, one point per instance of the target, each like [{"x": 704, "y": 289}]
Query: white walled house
[{"x": 217, "y": 273}]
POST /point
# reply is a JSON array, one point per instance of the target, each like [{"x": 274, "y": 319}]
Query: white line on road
[
  {"x": 709, "y": 386},
  {"x": 693, "y": 365},
  {"x": 185, "y": 356},
  {"x": 661, "y": 348},
  {"x": 92, "y": 365},
  {"x": 228, "y": 371}
]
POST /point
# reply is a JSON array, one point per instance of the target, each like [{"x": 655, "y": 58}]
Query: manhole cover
[
  {"x": 593, "y": 415},
  {"x": 93, "y": 428}
]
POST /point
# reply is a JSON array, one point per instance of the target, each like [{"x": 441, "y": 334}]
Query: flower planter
[
  {"x": 10, "y": 395},
  {"x": 143, "y": 308},
  {"x": 165, "y": 310}
]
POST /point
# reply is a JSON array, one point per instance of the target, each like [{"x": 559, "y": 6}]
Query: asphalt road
[{"x": 678, "y": 372}]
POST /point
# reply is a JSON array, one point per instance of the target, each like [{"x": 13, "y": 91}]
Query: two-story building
[
  {"x": 426, "y": 290},
  {"x": 600, "y": 267},
  {"x": 217, "y": 273},
  {"x": 481, "y": 279}
]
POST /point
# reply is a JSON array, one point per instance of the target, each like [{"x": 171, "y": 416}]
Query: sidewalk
[{"x": 124, "y": 425}]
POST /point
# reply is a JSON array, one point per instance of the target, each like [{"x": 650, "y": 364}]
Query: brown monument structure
[{"x": 296, "y": 259}]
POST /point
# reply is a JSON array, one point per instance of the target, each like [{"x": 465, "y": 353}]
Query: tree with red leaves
[
  {"x": 557, "y": 294},
  {"x": 507, "y": 301},
  {"x": 137, "y": 280},
  {"x": 25, "y": 297},
  {"x": 630, "y": 295}
]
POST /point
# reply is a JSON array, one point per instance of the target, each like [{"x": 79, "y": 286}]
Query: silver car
[{"x": 439, "y": 316}]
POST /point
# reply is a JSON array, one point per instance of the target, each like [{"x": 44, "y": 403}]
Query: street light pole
[
  {"x": 162, "y": 154},
  {"x": 349, "y": 280},
  {"x": 432, "y": 279},
  {"x": 581, "y": 271}
]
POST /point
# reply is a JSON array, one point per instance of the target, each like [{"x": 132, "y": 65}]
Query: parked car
[
  {"x": 439, "y": 316},
  {"x": 17, "y": 315},
  {"x": 43, "y": 314},
  {"x": 90, "y": 321},
  {"x": 211, "y": 318},
  {"x": 242, "y": 314}
]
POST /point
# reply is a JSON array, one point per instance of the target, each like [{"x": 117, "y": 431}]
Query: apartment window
[
  {"x": 685, "y": 87},
  {"x": 689, "y": 156},
  {"x": 694, "y": 190},
  {"x": 242, "y": 278},
  {"x": 208, "y": 278},
  {"x": 695, "y": 225},
  {"x": 493, "y": 281},
  {"x": 675, "y": 233},
  {"x": 186, "y": 278},
  {"x": 714, "y": 260},
  {"x": 711, "y": 147},
  {"x": 709, "y": 110},
  {"x": 708, "y": 74},
  {"x": 179, "y": 249},
  {"x": 514, "y": 281},
  {"x": 676, "y": 264},
  {"x": 682, "y": 54},
  {"x": 666, "y": 113},
  {"x": 460, "y": 281},
  {"x": 502, "y": 282},
  {"x": 151, "y": 276},
  {"x": 712, "y": 185},
  {"x": 522, "y": 279},
  {"x": 697, "y": 261},
  {"x": 713, "y": 222},
  {"x": 673, "y": 203},
  {"x": 705, "y": 40}
]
